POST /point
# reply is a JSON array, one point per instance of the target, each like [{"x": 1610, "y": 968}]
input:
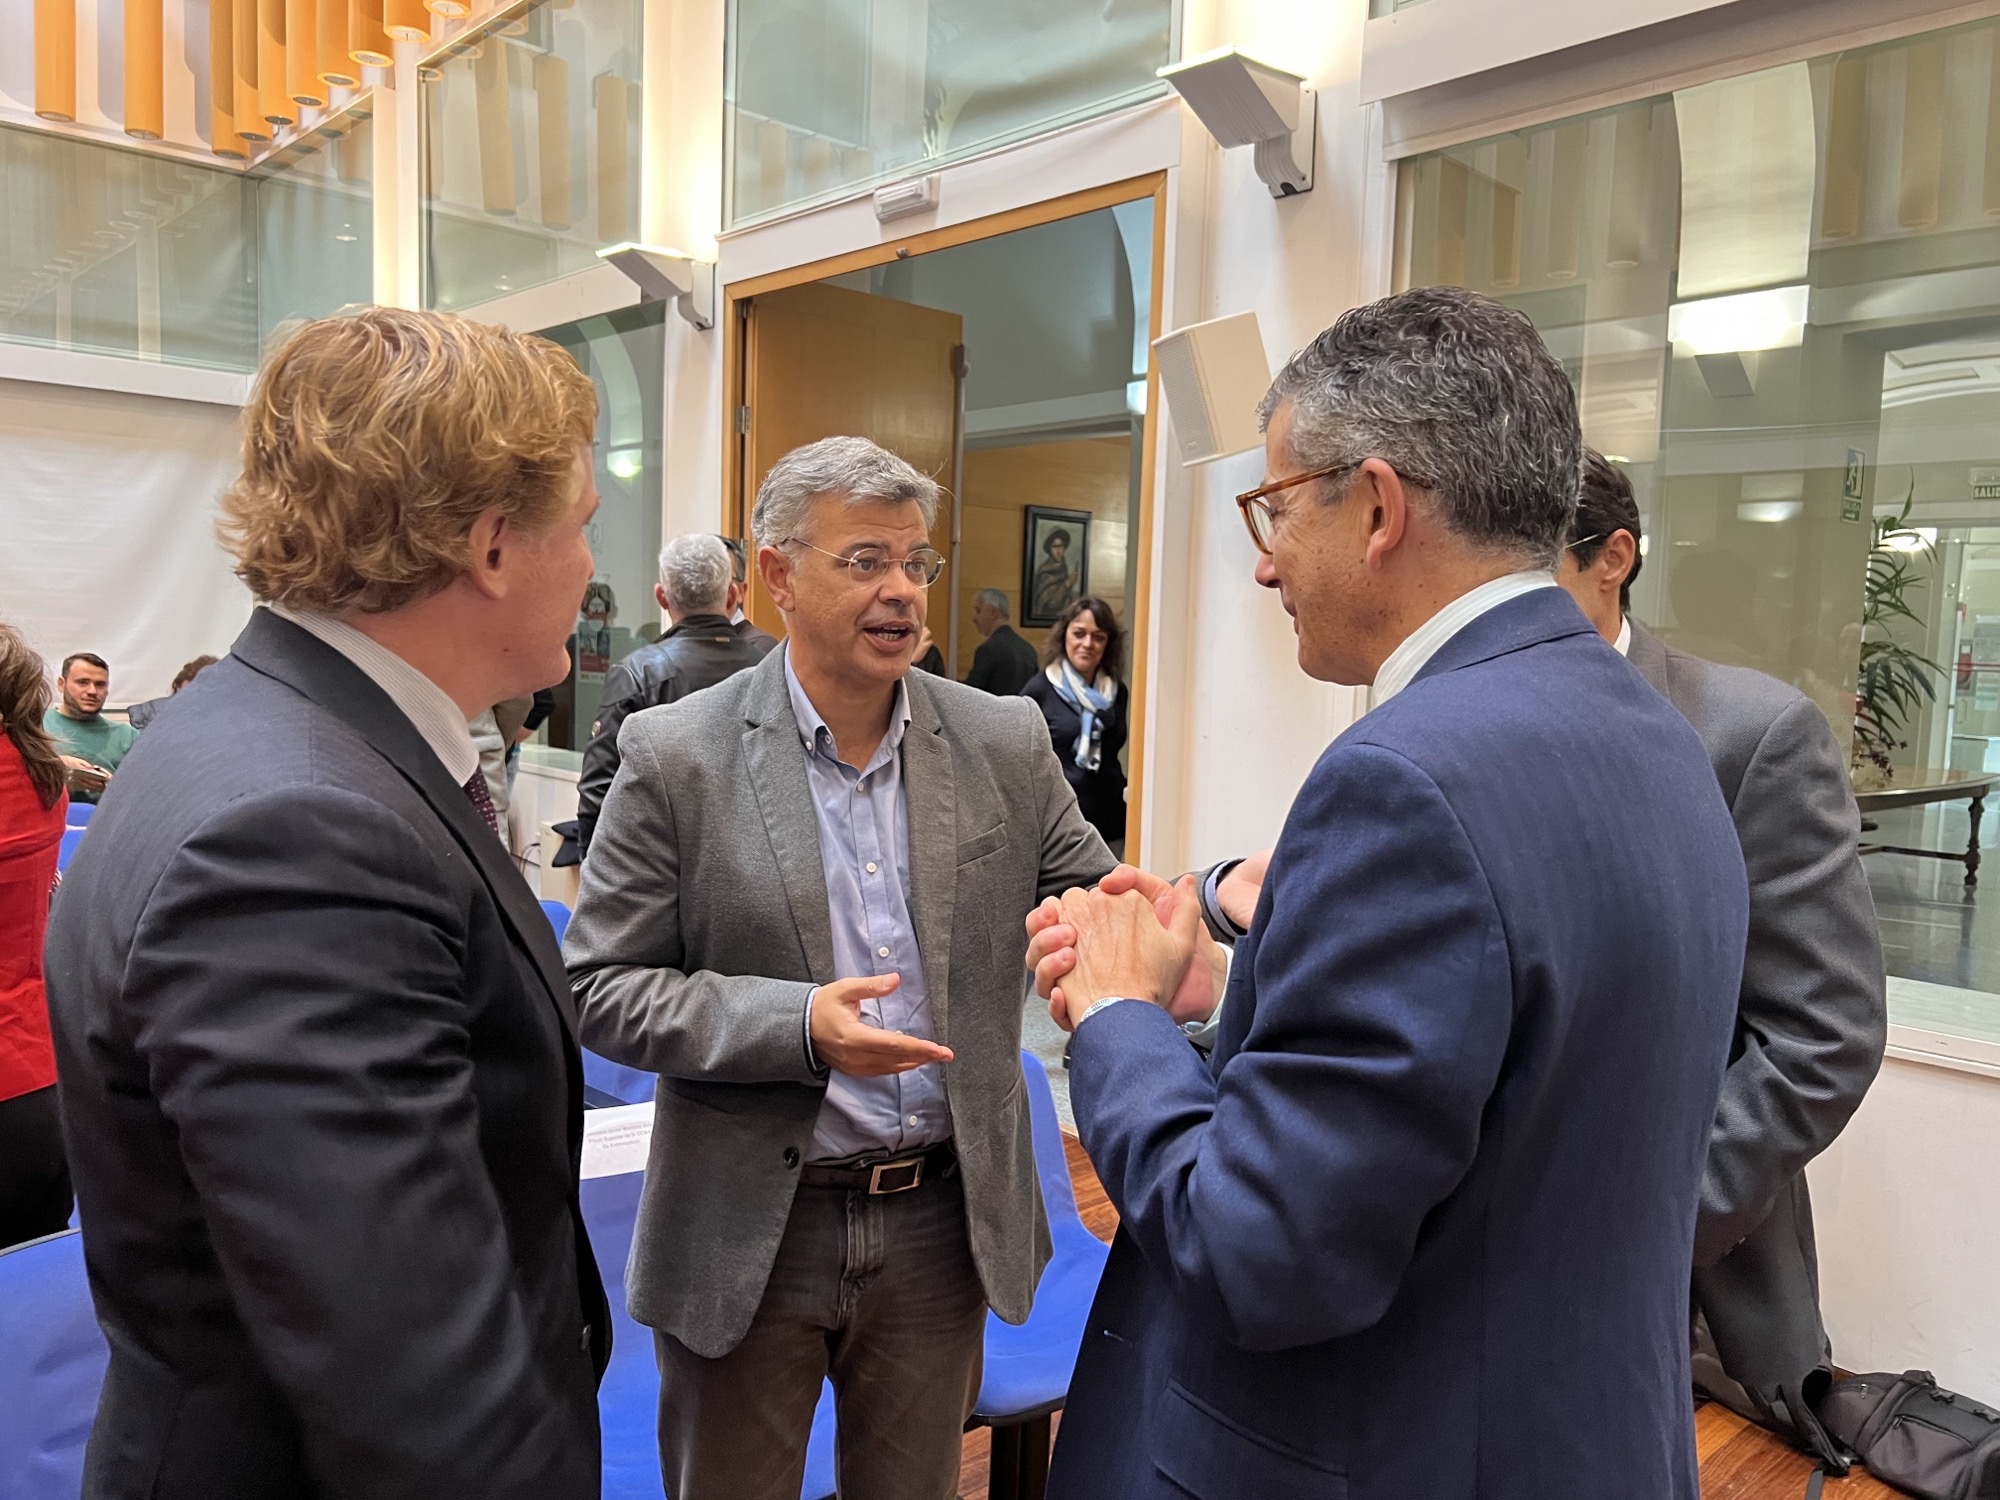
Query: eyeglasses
[
  {"x": 867, "y": 564},
  {"x": 1583, "y": 541},
  {"x": 1257, "y": 513}
]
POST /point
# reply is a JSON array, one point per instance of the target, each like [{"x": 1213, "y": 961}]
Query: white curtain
[{"x": 107, "y": 529}]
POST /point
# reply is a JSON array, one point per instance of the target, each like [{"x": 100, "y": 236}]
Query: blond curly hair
[{"x": 374, "y": 440}]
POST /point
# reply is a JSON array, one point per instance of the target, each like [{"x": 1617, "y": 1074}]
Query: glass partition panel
[
  {"x": 114, "y": 252},
  {"x": 1778, "y": 297},
  {"x": 624, "y": 353},
  {"x": 316, "y": 224},
  {"x": 531, "y": 149},
  {"x": 824, "y": 96}
]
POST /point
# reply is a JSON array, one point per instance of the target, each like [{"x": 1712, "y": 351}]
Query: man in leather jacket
[{"x": 702, "y": 648}]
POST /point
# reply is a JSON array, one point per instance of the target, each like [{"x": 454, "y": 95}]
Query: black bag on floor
[{"x": 1917, "y": 1436}]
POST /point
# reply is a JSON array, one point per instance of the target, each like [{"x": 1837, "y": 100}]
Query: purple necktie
[{"x": 481, "y": 798}]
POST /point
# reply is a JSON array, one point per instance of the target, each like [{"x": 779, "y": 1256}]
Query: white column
[
  {"x": 398, "y": 181},
  {"x": 147, "y": 249}
]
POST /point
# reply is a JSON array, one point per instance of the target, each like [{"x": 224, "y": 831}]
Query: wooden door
[{"x": 822, "y": 361}]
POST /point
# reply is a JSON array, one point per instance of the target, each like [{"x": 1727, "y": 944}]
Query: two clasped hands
[{"x": 1136, "y": 936}]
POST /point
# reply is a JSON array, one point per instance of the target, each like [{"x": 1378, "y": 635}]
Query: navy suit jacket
[
  {"x": 1421, "y": 1226},
  {"x": 322, "y": 1098}
]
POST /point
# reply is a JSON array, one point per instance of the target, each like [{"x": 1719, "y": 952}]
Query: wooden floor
[{"x": 1738, "y": 1461}]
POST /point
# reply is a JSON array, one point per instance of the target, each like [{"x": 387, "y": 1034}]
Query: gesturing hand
[{"x": 846, "y": 1043}]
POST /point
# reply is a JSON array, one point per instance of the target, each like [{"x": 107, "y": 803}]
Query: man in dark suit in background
[
  {"x": 1421, "y": 1226},
  {"x": 1004, "y": 662},
  {"x": 319, "y": 1076},
  {"x": 1812, "y": 1017},
  {"x": 700, "y": 649}
]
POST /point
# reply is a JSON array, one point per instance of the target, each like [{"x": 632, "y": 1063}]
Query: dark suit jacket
[
  {"x": 697, "y": 653},
  {"x": 1811, "y": 1023},
  {"x": 321, "y": 1093},
  {"x": 1421, "y": 1228},
  {"x": 1003, "y": 663},
  {"x": 756, "y": 635}
]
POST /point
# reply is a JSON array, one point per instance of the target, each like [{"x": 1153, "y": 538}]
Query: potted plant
[{"x": 1894, "y": 682}]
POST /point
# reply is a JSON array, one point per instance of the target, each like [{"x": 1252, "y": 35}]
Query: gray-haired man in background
[
  {"x": 1004, "y": 662},
  {"x": 803, "y": 909},
  {"x": 700, "y": 649}
]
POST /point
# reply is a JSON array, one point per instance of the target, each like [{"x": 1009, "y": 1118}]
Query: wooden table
[{"x": 1921, "y": 789}]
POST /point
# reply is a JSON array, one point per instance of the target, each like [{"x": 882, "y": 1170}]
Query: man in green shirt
[{"x": 91, "y": 744}]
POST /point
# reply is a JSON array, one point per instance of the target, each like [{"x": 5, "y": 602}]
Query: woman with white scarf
[{"x": 1081, "y": 696}]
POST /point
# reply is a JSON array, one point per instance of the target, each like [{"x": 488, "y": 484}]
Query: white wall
[
  {"x": 1907, "y": 1208},
  {"x": 1250, "y": 724},
  {"x": 680, "y": 205},
  {"x": 108, "y": 509}
]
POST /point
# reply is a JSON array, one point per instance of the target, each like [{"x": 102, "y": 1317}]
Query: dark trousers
[
  {"x": 34, "y": 1178},
  {"x": 881, "y": 1294}
]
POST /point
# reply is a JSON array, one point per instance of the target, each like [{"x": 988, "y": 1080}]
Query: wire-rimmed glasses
[{"x": 922, "y": 567}]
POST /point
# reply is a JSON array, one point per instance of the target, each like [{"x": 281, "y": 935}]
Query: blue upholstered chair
[
  {"x": 628, "y": 1402},
  {"x": 79, "y": 813},
  {"x": 52, "y": 1359},
  {"x": 72, "y": 837},
  {"x": 1028, "y": 1368}
]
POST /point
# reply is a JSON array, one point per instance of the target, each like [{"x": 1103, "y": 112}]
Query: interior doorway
[{"x": 1011, "y": 365}]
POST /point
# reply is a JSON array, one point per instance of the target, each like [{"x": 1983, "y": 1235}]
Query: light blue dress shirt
[{"x": 864, "y": 849}]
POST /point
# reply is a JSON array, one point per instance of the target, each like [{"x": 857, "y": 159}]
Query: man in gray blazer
[
  {"x": 1812, "y": 1018},
  {"x": 803, "y": 909}
]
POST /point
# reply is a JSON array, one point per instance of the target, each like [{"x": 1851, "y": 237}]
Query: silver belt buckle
[{"x": 877, "y": 1188}]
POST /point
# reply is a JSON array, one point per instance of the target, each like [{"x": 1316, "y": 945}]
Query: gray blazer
[
  {"x": 1810, "y": 1028},
  {"x": 702, "y": 924}
]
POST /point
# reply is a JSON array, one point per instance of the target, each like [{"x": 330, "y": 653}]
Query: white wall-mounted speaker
[
  {"x": 919, "y": 195},
  {"x": 1214, "y": 374}
]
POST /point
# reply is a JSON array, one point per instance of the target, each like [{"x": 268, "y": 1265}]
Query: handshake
[{"x": 1136, "y": 937}]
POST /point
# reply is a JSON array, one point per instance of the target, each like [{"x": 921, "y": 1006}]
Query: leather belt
[{"x": 881, "y": 1175}]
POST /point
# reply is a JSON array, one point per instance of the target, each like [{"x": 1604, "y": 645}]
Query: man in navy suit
[
  {"x": 1421, "y": 1225},
  {"x": 319, "y": 1074}
]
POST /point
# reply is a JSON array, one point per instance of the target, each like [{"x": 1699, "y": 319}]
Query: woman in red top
[{"x": 34, "y": 1182}]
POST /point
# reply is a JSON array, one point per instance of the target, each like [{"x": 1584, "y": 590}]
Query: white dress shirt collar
[
  {"x": 426, "y": 705},
  {"x": 1425, "y": 641},
  {"x": 1624, "y": 641}
]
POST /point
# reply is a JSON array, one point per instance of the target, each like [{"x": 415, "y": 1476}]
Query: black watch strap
[{"x": 1217, "y": 920}]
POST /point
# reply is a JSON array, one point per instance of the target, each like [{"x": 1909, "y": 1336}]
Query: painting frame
[{"x": 1041, "y": 525}]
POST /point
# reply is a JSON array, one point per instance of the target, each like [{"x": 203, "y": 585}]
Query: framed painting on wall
[{"x": 1055, "y": 562}]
